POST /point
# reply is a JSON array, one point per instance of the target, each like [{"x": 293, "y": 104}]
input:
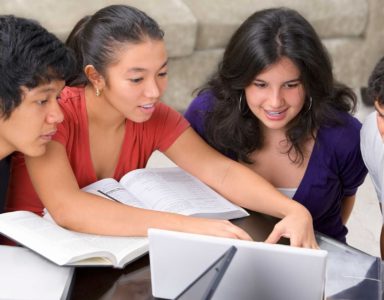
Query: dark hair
[
  {"x": 29, "y": 56},
  {"x": 263, "y": 39},
  {"x": 375, "y": 89},
  {"x": 96, "y": 39}
]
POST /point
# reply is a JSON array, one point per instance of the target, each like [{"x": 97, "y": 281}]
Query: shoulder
[
  {"x": 69, "y": 94},
  {"x": 341, "y": 140},
  {"x": 349, "y": 128},
  {"x": 198, "y": 108},
  {"x": 203, "y": 102},
  {"x": 372, "y": 147},
  {"x": 369, "y": 132},
  {"x": 72, "y": 101}
]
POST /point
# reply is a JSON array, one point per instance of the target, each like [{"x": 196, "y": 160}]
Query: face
[
  {"x": 137, "y": 81},
  {"x": 276, "y": 95},
  {"x": 33, "y": 123},
  {"x": 380, "y": 118}
]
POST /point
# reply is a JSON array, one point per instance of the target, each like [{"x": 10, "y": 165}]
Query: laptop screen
[{"x": 204, "y": 286}]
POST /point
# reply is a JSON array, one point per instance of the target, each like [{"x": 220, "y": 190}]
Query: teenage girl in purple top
[{"x": 274, "y": 106}]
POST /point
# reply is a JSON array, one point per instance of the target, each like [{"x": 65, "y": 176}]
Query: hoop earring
[
  {"x": 98, "y": 92},
  {"x": 241, "y": 109},
  {"x": 310, "y": 105}
]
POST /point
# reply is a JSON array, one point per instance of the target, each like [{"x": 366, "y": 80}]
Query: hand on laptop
[
  {"x": 222, "y": 228},
  {"x": 298, "y": 227}
]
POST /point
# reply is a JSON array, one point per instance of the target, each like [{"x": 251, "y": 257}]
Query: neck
[
  {"x": 101, "y": 112},
  {"x": 274, "y": 137}
]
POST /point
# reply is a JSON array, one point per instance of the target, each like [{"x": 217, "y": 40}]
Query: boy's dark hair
[
  {"x": 375, "y": 90},
  {"x": 29, "y": 56}
]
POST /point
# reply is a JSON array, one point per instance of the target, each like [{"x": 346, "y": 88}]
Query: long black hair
[
  {"x": 263, "y": 39},
  {"x": 97, "y": 38}
]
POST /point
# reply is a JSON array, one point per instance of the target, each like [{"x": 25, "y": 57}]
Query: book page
[
  {"x": 111, "y": 189},
  {"x": 63, "y": 246},
  {"x": 174, "y": 190}
]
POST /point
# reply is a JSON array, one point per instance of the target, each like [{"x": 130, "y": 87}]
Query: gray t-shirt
[{"x": 372, "y": 150}]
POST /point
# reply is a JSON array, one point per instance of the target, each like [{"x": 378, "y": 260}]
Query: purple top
[{"x": 335, "y": 169}]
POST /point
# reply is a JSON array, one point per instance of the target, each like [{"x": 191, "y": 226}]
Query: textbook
[
  {"x": 69, "y": 248},
  {"x": 167, "y": 189}
]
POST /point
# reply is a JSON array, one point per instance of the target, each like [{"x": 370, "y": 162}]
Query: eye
[
  {"x": 42, "y": 102},
  {"x": 136, "y": 80},
  {"x": 291, "y": 85},
  {"x": 163, "y": 74},
  {"x": 260, "y": 84}
]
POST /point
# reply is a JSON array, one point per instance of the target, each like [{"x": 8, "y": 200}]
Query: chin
[{"x": 35, "y": 151}]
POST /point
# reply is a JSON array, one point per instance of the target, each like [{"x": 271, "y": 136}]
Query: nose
[
  {"x": 152, "y": 89},
  {"x": 55, "y": 115},
  {"x": 276, "y": 98}
]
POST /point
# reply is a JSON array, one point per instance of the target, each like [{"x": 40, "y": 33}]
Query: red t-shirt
[{"x": 140, "y": 141}]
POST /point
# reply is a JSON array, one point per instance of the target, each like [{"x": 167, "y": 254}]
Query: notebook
[
  {"x": 258, "y": 270},
  {"x": 25, "y": 275}
]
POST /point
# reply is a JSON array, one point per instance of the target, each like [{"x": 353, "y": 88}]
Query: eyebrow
[
  {"x": 288, "y": 81},
  {"x": 143, "y": 70}
]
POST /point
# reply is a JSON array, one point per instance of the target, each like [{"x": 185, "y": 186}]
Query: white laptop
[{"x": 257, "y": 271}]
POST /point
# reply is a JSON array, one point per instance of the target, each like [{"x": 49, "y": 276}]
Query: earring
[
  {"x": 240, "y": 100},
  {"x": 97, "y": 92},
  {"x": 243, "y": 110},
  {"x": 310, "y": 105}
]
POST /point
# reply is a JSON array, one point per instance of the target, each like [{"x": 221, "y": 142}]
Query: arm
[
  {"x": 72, "y": 208},
  {"x": 346, "y": 208},
  {"x": 243, "y": 187}
]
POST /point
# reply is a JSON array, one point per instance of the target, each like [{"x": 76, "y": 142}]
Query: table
[{"x": 351, "y": 274}]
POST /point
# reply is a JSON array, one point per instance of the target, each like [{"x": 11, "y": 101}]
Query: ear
[{"x": 94, "y": 77}]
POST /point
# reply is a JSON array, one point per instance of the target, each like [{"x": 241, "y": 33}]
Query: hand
[
  {"x": 298, "y": 227},
  {"x": 221, "y": 228}
]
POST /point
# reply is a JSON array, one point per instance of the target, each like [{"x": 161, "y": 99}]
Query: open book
[
  {"x": 65, "y": 247},
  {"x": 167, "y": 189}
]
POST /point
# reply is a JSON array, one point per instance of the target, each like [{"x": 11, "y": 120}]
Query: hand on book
[
  {"x": 222, "y": 228},
  {"x": 298, "y": 227}
]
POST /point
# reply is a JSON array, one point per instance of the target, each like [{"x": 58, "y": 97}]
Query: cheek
[
  {"x": 296, "y": 97},
  {"x": 253, "y": 98}
]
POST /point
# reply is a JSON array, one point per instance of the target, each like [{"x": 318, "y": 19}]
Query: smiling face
[
  {"x": 136, "y": 82},
  {"x": 380, "y": 118},
  {"x": 276, "y": 95},
  {"x": 33, "y": 123}
]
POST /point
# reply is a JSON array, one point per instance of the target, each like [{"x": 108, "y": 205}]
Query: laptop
[
  {"x": 257, "y": 271},
  {"x": 205, "y": 285}
]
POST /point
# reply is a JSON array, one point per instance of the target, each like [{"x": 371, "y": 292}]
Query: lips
[
  {"x": 273, "y": 113},
  {"x": 48, "y": 136},
  {"x": 148, "y": 106}
]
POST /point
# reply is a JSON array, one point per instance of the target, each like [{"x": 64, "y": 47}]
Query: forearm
[
  {"x": 92, "y": 214},
  {"x": 259, "y": 196}
]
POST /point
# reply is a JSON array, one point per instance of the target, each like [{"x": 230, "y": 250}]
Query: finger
[
  {"x": 239, "y": 232},
  {"x": 294, "y": 242},
  {"x": 243, "y": 235},
  {"x": 313, "y": 245},
  {"x": 274, "y": 236}
]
